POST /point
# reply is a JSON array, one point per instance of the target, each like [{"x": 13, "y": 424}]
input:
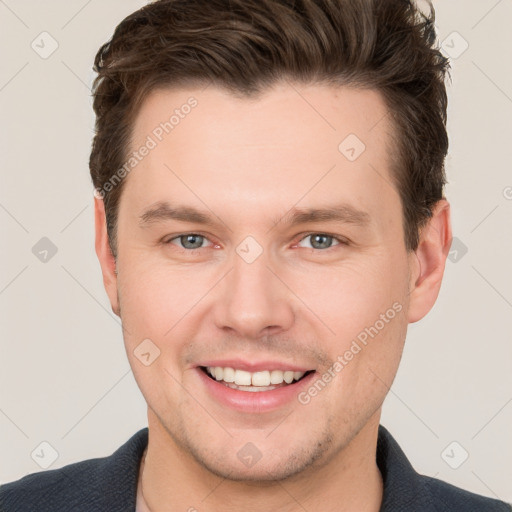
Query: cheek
[
  {"x": 353, "y": 295},
  {"x": 153, "y": 298},
  {"x": 364, "y": 305},
  {"x": 368, "y": 349},
  {"x": 154, "y": 307}
]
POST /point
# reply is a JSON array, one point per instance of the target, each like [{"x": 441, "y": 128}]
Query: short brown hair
[{"x": 246, "y": 46}]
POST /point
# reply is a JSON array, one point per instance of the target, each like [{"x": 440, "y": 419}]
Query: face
[{"x": 256, "y": 236}]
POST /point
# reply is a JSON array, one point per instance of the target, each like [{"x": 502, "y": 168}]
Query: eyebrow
[{"x": 343, "y": 213}]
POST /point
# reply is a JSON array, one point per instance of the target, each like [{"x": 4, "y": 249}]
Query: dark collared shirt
[{"x": 109, "y": 484}]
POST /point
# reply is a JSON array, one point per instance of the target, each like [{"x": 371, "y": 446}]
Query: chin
[{"x": 265, "y": 467}]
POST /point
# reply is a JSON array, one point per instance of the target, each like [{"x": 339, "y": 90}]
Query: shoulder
[
  {"x": 56, "y": 489},
  {"x": 107, "y": 483},
  {"x": 448, "y": 497},
  {"x": 405, "y": 489}
]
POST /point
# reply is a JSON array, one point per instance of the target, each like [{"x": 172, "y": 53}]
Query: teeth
[
  {"x": 242, "y": 378},
  {"x": 288, "y": 377},
  {"x": 264, "y": 378},
  {"x": 276, "y": 377},
  {"x": 260, "y": 378},
  {"x": 228, "y": 375}
]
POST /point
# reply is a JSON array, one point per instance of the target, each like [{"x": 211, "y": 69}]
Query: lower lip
[{"x": 254, "y": 401}]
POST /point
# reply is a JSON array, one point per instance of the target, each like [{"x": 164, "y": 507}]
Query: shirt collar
[{"x": 403, "y": 486}]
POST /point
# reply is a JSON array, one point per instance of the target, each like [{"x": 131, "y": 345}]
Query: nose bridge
[{"x": 253, "y": 300}]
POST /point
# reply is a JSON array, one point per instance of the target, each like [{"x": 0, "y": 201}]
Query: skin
[{"x": 250, "y": 162}]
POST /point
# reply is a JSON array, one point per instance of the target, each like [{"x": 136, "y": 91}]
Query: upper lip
[{"x": 253, "y": 366}]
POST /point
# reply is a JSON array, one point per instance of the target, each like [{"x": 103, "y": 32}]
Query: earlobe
[
  {"x": 105, "y": 256},
  {"x": 431, "y": 254}
]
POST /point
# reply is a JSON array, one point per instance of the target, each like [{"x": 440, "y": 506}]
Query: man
[{"x": 269, "y": 219}]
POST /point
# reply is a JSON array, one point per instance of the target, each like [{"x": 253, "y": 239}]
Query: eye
[
  {"x": 323, "y": 240},
  {"x": 188, "y": 241},
  {"x": 319, "y": 241}
]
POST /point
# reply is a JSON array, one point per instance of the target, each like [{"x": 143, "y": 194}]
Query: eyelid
[
  {"x": 341, "y": 240},
  {"x": 166, "y": 240}
]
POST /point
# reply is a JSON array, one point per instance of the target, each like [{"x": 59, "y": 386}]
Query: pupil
[
  {"x": 323, "y": 244},
  {"x": 190, "y": 238}
]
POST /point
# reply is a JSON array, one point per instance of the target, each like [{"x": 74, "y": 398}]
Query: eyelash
[{"x": 341, "y": 241}]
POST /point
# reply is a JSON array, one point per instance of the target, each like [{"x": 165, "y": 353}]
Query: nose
[{"x": 253, "y": 301}]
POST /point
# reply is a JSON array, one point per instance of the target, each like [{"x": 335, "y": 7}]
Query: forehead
[
  {"x": 292, "y": 145},
  {"x": 285, "y": 115}
]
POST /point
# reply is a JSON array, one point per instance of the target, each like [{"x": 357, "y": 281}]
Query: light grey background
[{"x": 64, "y": 376}]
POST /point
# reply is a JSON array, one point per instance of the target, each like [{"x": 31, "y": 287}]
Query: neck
[{"x": 350, "y": 480}]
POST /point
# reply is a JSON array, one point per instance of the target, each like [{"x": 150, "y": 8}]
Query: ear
[
  {"x": 105, "y": 256},
  {"x": 428, "y": 262}
]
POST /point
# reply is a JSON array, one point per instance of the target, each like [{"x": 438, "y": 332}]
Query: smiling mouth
[{"x": 255, "y": 381}]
